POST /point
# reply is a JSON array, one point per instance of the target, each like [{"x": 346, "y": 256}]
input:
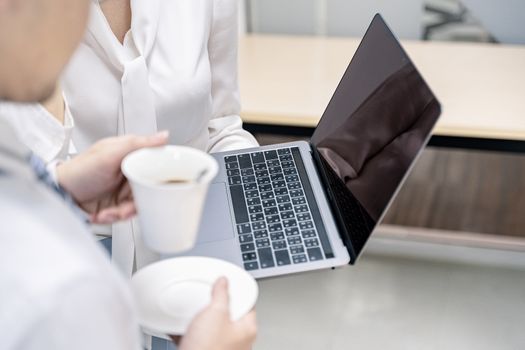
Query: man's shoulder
[{"x": 46, "y": 258}]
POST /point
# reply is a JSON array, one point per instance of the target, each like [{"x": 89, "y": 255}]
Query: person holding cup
[
  {"x": 144, "y": 66},
  {"x": 58, "y": 289}
]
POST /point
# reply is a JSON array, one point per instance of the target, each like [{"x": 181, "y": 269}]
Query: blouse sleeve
[{"x": 225, "y": 126}]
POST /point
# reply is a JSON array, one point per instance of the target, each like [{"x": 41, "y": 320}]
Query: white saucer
[{"x": 171, "y": 292}]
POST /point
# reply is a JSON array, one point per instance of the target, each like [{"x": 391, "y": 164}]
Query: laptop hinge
[{"x": 336, "y": 212}]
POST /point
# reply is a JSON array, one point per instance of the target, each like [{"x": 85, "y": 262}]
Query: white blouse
[{"x": 176, "y": 70}]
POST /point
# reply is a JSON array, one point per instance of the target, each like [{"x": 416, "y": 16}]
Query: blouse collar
[{"x": 138, "y": 42}]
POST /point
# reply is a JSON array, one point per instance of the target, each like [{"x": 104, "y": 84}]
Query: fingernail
[{"x": 162, "y": 135}]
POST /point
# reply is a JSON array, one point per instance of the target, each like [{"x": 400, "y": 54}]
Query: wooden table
[{"x": 287, "y": 81}]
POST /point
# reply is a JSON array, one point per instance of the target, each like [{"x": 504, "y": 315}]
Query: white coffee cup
[{"x": 169, "y": 212}]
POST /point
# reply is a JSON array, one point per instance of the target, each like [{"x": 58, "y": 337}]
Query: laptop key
[
  {"x": 244, "y": 228},
  {"x": 246, "y": 238},
  {"x": 287, "y": 164},
  {"x": 253, "y": 201},
  {"x": 294, "y": 185},
  {"x": 296, "y": 193},
  {"x": 275, "y": 170},
  {"x": 247, "y": 172},
  {"x": 252, "y": 194},
  {"x": 277, "y": 177},
  {"x": 289, "y": 223},
  {"x": 233, "y": 172},
  {"x": 247, "y": 247},
  {"x": 285, "y": 158},
  {"x": 287, "y": 215},
  {"x": 260, "y": 234},
  {"x": 239, "y": 206},
  {"x": 259, "y": 225},
  {"x": 250, "y": 186},
  {"x": 309, "y": 234},
  {"x": 279, "y": 183},
  {"x": 275, "y": 236},
  {"x": 260, "y": 166},
  {"x": 249, "y": 256},
  {"x": 291, "y": 178},
  {"x": 270, "y": 155},
  {"x": 245, "y": 161},
  {"x": 269, "y": 203},
  {"x": 252, "y": 265},
  {"x": 273, "y": 162},
  {"x": 249, "y": 178},
  {"x": 273, "y": 219},
  {"x": 234, "y": 180},
  {"x": 298, "y": 249},
  {"x": 263, "y": 180},
  {"x": 257, "y": 217},
  {"x": 262, "y": 243},
  {"x": 283, "y": 199},
  {"x": 254, "y": 209},
  {"x": 294, "y": 240},
  {"x": 271, "y": 211},
  {"x": 291, "y": 231},
  {"x": 279, "y": 245},
  {"x": 301, "y": 208},
  {"x": 311, "y": 242},
  {"x": 315, "y": 254},
  {"x": 289, "y": 171},
  {"x": 267, "y": 195},
  {"x": 275, "y": 227},
  {"x": 257, "y": 157},
  {"x": 297, "y": 259},
  {"x": 265, "y": 257},
  {"x": 305, "y": 225},
  {"x": 283, "y": 151},
  {"x": 298, "y": 200},
  {"x": 282, "y": 257},
  {"x": 285, "y": 206},
  {"x": 232, "y": 165},
  {"x": 230, "y": 159},
  {"x": 280, "y": 191},
  {"x": 264, "y": 188},
  {"x": 261, "y": 173},
  {"x": 304, "y": 216}
]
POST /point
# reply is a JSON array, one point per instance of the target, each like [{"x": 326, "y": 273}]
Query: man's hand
[
  {"x": 212, "y": 328},
  {"x": 95, "y": 181}
]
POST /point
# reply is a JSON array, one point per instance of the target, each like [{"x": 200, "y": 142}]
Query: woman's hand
[
  {"x": 212, "y": 328},
  {"x": 95, "y": 181}
]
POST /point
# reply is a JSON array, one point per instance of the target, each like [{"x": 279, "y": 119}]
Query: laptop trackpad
[{"x": 216, "y": 222}]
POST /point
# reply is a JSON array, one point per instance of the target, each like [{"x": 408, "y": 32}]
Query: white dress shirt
[
  {"x": 176, "y": 69},
  {"x": 42, "y": 133},
  {"x": 57, "y": 289}
]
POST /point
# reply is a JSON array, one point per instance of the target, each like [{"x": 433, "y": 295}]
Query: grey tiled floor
[{"x": 394, "y": 303}]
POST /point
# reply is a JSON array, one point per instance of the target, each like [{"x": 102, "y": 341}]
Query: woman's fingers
[{"x": 123, "y": 211}]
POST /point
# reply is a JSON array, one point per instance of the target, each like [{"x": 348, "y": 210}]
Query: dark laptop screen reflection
[{"x": 373, "y": 146}]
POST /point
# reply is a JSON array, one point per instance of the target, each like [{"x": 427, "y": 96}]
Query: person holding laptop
[
  {"x": 58, "y": 289},
  {"x": 145, "y": 66}
]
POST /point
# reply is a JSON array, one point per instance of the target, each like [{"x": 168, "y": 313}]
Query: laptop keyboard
[{"x": 273, "y": 217}]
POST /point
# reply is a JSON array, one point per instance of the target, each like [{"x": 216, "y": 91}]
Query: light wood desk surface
[{"x": 288, "y": 80}]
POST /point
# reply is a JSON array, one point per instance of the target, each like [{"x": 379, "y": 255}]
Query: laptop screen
[{"x": 378, "y": 120}]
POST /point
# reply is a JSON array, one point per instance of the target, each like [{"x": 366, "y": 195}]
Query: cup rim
[{"x": 212, "y": 171}]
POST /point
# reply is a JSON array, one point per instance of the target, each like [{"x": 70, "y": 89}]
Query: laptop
[{"x": 303, "y": 206}]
